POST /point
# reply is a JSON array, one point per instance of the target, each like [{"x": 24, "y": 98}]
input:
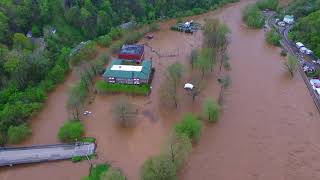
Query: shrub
[
  {"x": 104, "y": 41},
  {"x": 71, "y": 131},
  {"x": 77, "y": 159},
  {"x": 189, "y": 126},
  {"x": 115, "y": 47},
  {"x": 252, "y": 16},
  {"x": 158, "y": 168},
  {"x": 273, "y": 38},
  {"x": 17, "y": 134},
  {"x": 88, "y": 139},
  {"x": 88, "y": 51},
  {"x": 103, "y": 87},
  {"x": 112, "y": 174},
  {"x": 198, "y": 10},
  {"x": 283, "y": 53},
  {"x": 211, "y": 110},
  {"x": 115, "y": 33},
  {"x": 268, "y": 4},
  {"x": 132, "y": 38}
]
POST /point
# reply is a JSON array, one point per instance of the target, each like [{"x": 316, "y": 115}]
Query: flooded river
[{"x": 268, "y": 130}]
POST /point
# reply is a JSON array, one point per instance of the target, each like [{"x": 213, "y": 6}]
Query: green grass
[
  {"x": 104, "y": 87},
  {"x": 88, "y": 139}
]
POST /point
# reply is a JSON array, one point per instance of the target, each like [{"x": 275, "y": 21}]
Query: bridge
[{"x": 44, "y": 153}]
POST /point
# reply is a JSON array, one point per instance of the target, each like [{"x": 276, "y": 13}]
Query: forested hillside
[
  {"x": 307, "y": 28},
  {"x": 30, "y": 66}
]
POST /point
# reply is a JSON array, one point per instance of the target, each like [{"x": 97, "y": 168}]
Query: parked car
[
  {"x": 282, "y": 24},
  {"x": 315, "y": 85}
]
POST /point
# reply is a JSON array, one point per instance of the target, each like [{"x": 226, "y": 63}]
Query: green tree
[
  {"x": 211, "y": 110},
  {"x": 252, "y": 16},
  {"x": 189, "y": 126},
  {"x": 273, "y": 38},
  {"x": 204, "y": 62},
  {"x": 71, "y": 131},
  {"x": 20, "y": 41},
  {"x": 17, "y": 134},
  {"x": 158, "y": 168},
  {"x": 4, "y": 27}
]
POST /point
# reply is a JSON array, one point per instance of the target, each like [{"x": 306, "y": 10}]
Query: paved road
[{"x": 12, "y": 156}]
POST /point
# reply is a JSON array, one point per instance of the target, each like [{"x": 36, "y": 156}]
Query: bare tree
[
  {"x": 198, "y": 83},
  {"x": 193, "y": 57},
  {"x": 216, "y": 38},
  {"x": 124, "y": 113},
  {"x": 291, "y": 65},
  {"x": 225, "y": 82},
  {"x": 179, "y": 146},
  {"x": 75, "y": 102},
  {"x": 169, "y": 87}
]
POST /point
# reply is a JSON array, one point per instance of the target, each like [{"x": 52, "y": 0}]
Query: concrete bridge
[{"x": 43, "y": 153}]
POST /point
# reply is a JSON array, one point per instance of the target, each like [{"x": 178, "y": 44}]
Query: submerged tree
[
  {"x": 211, "y": 110},
  {"x": 169, "y": 87},
  {"x": 124, "y": 113},
  {"x": 291, "y": 64},
  {"x": 216, "y": 38},
  {"x": 76, "y": 99},
  {"x": 179, "y": 148},
  {"x": 204, "y": 61},
  {"x": 225, "y": 82}
]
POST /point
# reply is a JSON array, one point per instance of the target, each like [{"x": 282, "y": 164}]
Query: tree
[
  {"x": 112, "y": 174},
  {"x": 252, "y": 16},
  {"x": 169, "y": 87},
  {"x": 17, "y": 134},
  {"x": 71, "y": 131},
  {"x": 124, "y": 113},
  {"x": 77, "y": 95},
  {"x": 224, "y": 82},
  {"x": 216, "y": 38},
  {"x": 20, "y": 41},
  {"x": 193, "y": 57},
  {"x": 211, "y": 110},
  {"x": 273, "y": 38},
  {"x": 158, "y": 168},
  {"x": 179, "y": 147},
  {"x": 4, "y": 27},
  {"x": 198, "y": 85},
  {"x": 189, "y": 126},
  {"x": 291, "y": 65},
  {"x": 203, "y": 62}
]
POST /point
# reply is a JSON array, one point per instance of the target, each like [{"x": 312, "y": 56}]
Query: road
[{"x": 12, "y": 156}]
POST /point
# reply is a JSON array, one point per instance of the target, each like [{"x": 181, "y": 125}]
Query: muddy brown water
[{"x": 268, "y": 128}]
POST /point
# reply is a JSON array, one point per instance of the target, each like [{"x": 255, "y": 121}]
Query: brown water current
[{"x": 268, "y": 129}]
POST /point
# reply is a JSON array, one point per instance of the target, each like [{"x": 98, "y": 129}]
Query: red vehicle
[{"x": 132, "y": 52}]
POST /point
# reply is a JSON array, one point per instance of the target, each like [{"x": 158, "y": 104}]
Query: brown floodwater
[{"x": 267, "y": 130}]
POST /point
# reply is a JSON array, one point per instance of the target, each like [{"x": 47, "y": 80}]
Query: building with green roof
[{"x": 120, "y": 72}]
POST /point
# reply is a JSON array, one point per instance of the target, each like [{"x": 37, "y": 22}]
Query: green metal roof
[{"x": 143, "y": 74}]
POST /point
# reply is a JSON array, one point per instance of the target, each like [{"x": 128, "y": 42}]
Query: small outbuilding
[
  {"x": 288, "y": 19},
  {"x": 119, "y": 72},
  {"x": 132, "y": 52}
]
